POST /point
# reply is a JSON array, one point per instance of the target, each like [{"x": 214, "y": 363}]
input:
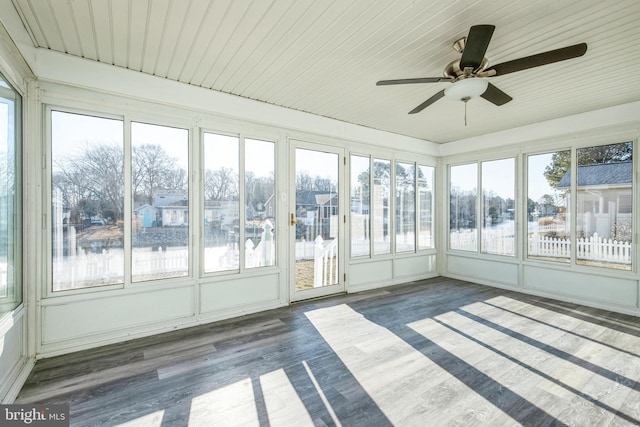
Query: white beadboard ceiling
[{"x": 325, "y": 56}]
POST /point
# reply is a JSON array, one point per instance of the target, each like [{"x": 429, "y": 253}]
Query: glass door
[{"x": 316, "y": 222}]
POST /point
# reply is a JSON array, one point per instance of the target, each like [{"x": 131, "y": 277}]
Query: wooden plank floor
[{"x": 432, "y": 353}]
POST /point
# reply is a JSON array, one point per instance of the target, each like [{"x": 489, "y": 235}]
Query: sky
[
  {"x": 317, "y": 163},
  {"x": 174, "y": 141},
  {"x": 223, "y": 151},
  {"x": 538, "y": 184},
  {"x": 71, "y": 132},
  {"x": 500, "y": 175}
]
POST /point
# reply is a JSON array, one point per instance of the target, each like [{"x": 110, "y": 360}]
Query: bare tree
[
  {"x": 304, "y": 181},
  {"x": 97, "y": 177},
  {"x": 177, "y": 179},
  {"x": 152, "y": 169},
  {"x": 92, "y": 183},
  {"x": 221, "y": 184}
]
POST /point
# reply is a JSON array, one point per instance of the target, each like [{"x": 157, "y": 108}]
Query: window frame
[
  {"x": 479, "y": 205},
  {"x": 369, "y": 253},
  {"x": 575, "y": 201},
  {"x": 476, "y": 207},
  {"x": 48, "y": 199},
  {"x": 432, "y": 210},
  {"x": 573, "y": 204},
  {"x": 242, "y": 268},
  {"x": 561, "y": 262},
  {"x": 15, "y": 293},
  {"x": 374, "y": 156},
  {"x": 129, "y": 193},
  {"x": 396, "y": 209},
  {"x": 482, "y": 202}
]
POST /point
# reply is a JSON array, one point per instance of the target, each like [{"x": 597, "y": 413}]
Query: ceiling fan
[{"x": 469, "y": 73}]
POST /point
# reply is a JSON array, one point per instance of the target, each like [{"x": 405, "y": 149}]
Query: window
[
  {"x": 405, "y": 207},
  {"x": 380, "y": 196},
  {"x": 496, "y": 210},
  {"x": 548, "y": 210},
  {"x": 160, "y": 205},
  {"x": 425, "y": 207},
  {"x": 221, "y": 202},
  {"x": 360, "y": 218},
  {"x": 603, "y": 216},
  {"x": 260, "y": 201},
  {"x": 462, "y": 208},
  {"x": 413, "y": 188},
  {"x": 10, "y": 205},
  {"x": 87, "y": 201},
  {"x": 498, "y": 207}
]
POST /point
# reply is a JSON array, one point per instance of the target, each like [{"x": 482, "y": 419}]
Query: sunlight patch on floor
[
  {"x": 394, "y": 374},
  {"x": 606, "y": 373},
  {"x": 625, "y": 335},
  {"x": 551, "y": 370},
  {"x": 232, "y": 405},
  {"x": 152, "y": 420},
  {"x": 284, "y": 407}
]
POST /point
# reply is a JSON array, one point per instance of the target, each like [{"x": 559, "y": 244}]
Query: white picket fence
[
  {"x": 91, "y": 269},
  {"x": 94, "y": 269},
  {"x": 499, "y": 242},
  {"x": 546, "y": 246},
  {"x": 362, "y": 247},
  {"x": 597, "y": 248},
  {"x": 325, "y": 262},
  {"x": 594, "y": 248},
  {"x": 172, "y": 261}
]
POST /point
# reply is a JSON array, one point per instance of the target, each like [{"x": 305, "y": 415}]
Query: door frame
[{"x": 338, "y": 288}]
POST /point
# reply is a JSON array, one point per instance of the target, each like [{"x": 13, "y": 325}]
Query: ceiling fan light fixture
[{"x": 465, "y": 89}]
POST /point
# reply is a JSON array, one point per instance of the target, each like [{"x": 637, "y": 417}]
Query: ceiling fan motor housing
[{"x": 453, "y": 71}]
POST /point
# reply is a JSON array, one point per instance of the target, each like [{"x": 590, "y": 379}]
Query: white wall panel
[
  {"x": 240, "y": 292},
  {"x": 365, "y": 275},
  {"x": 592, "y": 289},
  {"x": 92, "y": 317},
  {"x": 373, "y": 274},
  {"x": 483, "y": 270},
  {"x": 12, "y": 352},
  {"x": 414, "y": 267}
]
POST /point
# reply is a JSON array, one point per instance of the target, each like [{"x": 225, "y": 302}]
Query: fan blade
[
  {"x": 544, "y": 58},
  {"x": 476, "y": 46},
  {"x": 495, "y": 95},
  {"x": 428, "y": 102},
  {"x": 409, "y": 81}
]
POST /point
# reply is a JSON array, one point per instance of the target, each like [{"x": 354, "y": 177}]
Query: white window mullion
[
  {"x": 241, "y": 207},
  {"x": 128, "y": 202}
]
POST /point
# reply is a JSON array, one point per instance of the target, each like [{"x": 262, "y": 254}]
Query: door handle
[{"x": 293, "y": 219}]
